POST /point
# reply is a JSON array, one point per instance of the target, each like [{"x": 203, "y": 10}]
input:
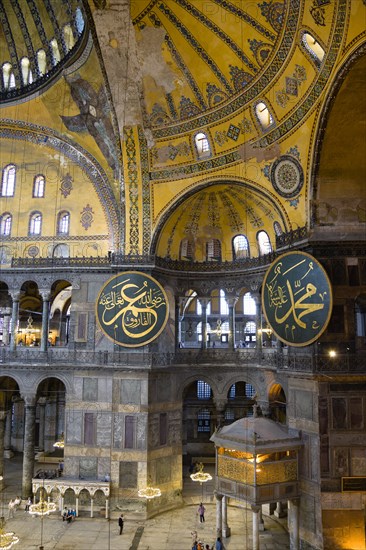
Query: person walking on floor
[
  {"x": 201, "y": 511},
  {"x": 219, "y": 545},
  {"x": 120, "y": 524}
]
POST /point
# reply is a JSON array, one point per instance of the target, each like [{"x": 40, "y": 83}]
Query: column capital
[
  {"x": 256, "y": 509},
  {"x": 45, "y": 293},
  {"x": 3, "y": 414},
  {"x": 29, "y": 399},
  {"x": 204, "y": 301},
  {"x": 220, "y": 403},
  {"x": 16, "y": 295},
  {"x": 218, "y": 496}
]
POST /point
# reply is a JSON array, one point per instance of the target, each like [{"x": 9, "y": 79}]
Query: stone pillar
[
  {"x": 280, "y": 512},
  {"x": 14, "y": 318},
  {"x": 91, "y": 507},
  {"x": 177, "y": 322},
  {"x": 107, "y": 508},
  {"x": 45, "y": 319},
  {"x": 8, "y": 453},
  {"x": 261, "y": 521},
  {"x": 231, "y": 304},
  {"x": 28, "y": 451},
  {"x": 2, "y": 434},
  {"x": 255, "y": 510},
  {"x": 6, "y": 325},
  {"x": 220, "y": 405},
  {"x": 226, "y": 531},
  {"x": 293, "y": 523},
  {"x": 204, "y": 303},
  {"x": 42, "y": 406},
  {"x": 218, "y": 514},
  {"x": 77, "y": 505}
]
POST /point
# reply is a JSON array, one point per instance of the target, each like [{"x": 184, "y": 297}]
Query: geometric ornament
[
  {"x": 86, "y": 216},
  {"x": 287, "y": 176}
]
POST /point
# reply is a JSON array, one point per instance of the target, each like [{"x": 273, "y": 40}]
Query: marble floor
[{"x": 168, "y": 531}]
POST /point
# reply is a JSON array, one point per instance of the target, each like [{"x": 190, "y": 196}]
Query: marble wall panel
[
  {"x": 304, "y": 406},
  {"x": 128, "y": 474},
  {"x": 131, "y": 392},
  {"x": 73, "y": 427},
  {"x": 117, "y": 431},
  {"x": 163, "y": 470},
  {"x": 104, "y": 425},
  {"x": 90, "y": 389},
  {"x": 141, "y": 428},
  {"x": 88, "y": 468},
  {"x": 104, "y": 390}
]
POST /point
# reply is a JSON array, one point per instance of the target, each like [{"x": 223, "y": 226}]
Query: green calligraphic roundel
[
  {"x": 297, "y": 298},
  {"x": 132, "y": 309}
]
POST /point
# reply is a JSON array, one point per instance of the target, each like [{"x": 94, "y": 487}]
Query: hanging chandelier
[
  {"x": 201, "y": 476},
  {"x": 42, "y": 508},
  {"x": 7, "y": 540},
  {"x": 60, "y": 444},
  {"x": 149, "y": 492}
]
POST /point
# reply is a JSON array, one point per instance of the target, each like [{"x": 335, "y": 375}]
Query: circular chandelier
[
  {"x": 42, "y": 508},
  {"x": 201, "y": 476},
  {"x": 7, "y": 540},
  {"x": 149, "y": 492}
]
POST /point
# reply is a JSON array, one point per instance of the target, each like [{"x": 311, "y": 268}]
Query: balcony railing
[{"x": 266, "y": 358}]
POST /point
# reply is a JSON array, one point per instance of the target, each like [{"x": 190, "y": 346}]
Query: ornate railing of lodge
[
  {"x": 150, "y": 261},
  {"x": 265, "y": 358}
]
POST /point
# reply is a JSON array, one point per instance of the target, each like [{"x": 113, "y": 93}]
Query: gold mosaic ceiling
[{"x": 212, "y": 51}]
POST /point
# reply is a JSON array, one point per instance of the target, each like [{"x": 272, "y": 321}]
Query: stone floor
[{"x": 168, "y": 531}]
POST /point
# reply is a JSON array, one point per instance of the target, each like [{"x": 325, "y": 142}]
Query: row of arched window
[
  {"x": 35, "y": 223},
  {"x": 68, "y": 42},
  {"x": 249, "y": 306},
  {"x": 240, "y": 246},
  {"x": 8, "y": 181}
]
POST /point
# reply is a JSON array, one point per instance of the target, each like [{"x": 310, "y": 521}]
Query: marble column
[
  {"x": 177, "y": 323},
  {"x": 14, "y": 318},
  {"x": 258, "y": 320},
  {"x": 45, "y": 319},
  {"x": 226, "y": 531},
  {"x": 231, "y": 304},
  {"x": 293, "y": 523},
  {"x": 255, "y": 510},
  {"x": 28, "y": 451},
  {"x": 204, "y": 303},
  {"x": 8, "y": 453},
  {"x": 220, "y": 405},
  {"x": 219, "y": 498},
  {"x": 2, "y": 434},
  {"x": 42, "y": 407},
  {"x": 6, "y": 325},
  {"x": 280, "y": 512}
]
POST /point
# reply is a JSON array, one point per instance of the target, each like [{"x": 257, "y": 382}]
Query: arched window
[
  {"x": 56, "y": 57},
  {"x": 35, "y": 223},
  {"x": 213, "y": 250},
  {"x": 203, "y": 390},
  {"x": 42, "y": 62},
  {"x": 8, "y": 181},
  {"x": 249, "y": 305},
  {"x": 68, "y": 37},
  {"x": 186, "y": 252},
  {"x": 63, "y": 223},
  {"x": 27, "y": 76},
  {"x": 199, "y": 307},
  {"x": 202, "y": 145},
  {"x": 277, "y": 229},
  {"x": 241, "y": 247},
  {"x": 313, "y": 47},
  {"x": 5, "y": 224},
  {"x": 264, "y": 116},
  {"x": 264, "y": 244},
  {"x": 249, "y": 391},
  {"x": 79, "y": 20},
  {"x": 224, "y": 308},
  {"x": 39, "y": 186},
  {"x": 8, "y": 76},
  {"x": 229, "y": 416},
  {"x": 250, "y": 333}
]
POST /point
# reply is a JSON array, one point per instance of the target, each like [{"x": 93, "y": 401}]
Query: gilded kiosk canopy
[
  {"x": 132, "y": 309},
  {"x": 297, "y": 298}
]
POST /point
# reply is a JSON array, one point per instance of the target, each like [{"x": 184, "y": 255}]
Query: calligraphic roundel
[
  {"x": 297, "y": 298},
  {"x": 132, "y": 309}
]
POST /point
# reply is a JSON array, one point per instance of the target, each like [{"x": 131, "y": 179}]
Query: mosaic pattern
[
  {"x": 292, "y": 84},
  {"x": 213, "y": 210},
  {"x": 33, "y": 251},
  {"x": 146, "y": 200},
  {"x": 287, "y": 176},
  {"x": 236, "y": 223},
  {"x": 66, "y": 185},
  {"x": 233, "y": 132},
  {"x": 132, "y": 190},
  {"x": 87, "y": 217},
  {"x": 274, "y": 13},
  {"x": 318, "y": 12},
  {"x": 261, "y": 50}
]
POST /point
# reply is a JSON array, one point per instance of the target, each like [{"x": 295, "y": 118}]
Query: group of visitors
[
  {"x": 69, "y": 514},
  {"x": 198, "y": 545},
  {"x": 13, "y": 506}
]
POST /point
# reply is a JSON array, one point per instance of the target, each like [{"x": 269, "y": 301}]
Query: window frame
[
  {"x": 32, "y": 220},
  {"x": 8, "y": 187}
]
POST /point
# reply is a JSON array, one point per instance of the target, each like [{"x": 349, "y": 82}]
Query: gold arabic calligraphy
[
  {"x": 290, "y": 297},
  {"x": 135, "y": 305}
]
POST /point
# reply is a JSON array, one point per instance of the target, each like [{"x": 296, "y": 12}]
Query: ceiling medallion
[{"x": 287, "y": 176}]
